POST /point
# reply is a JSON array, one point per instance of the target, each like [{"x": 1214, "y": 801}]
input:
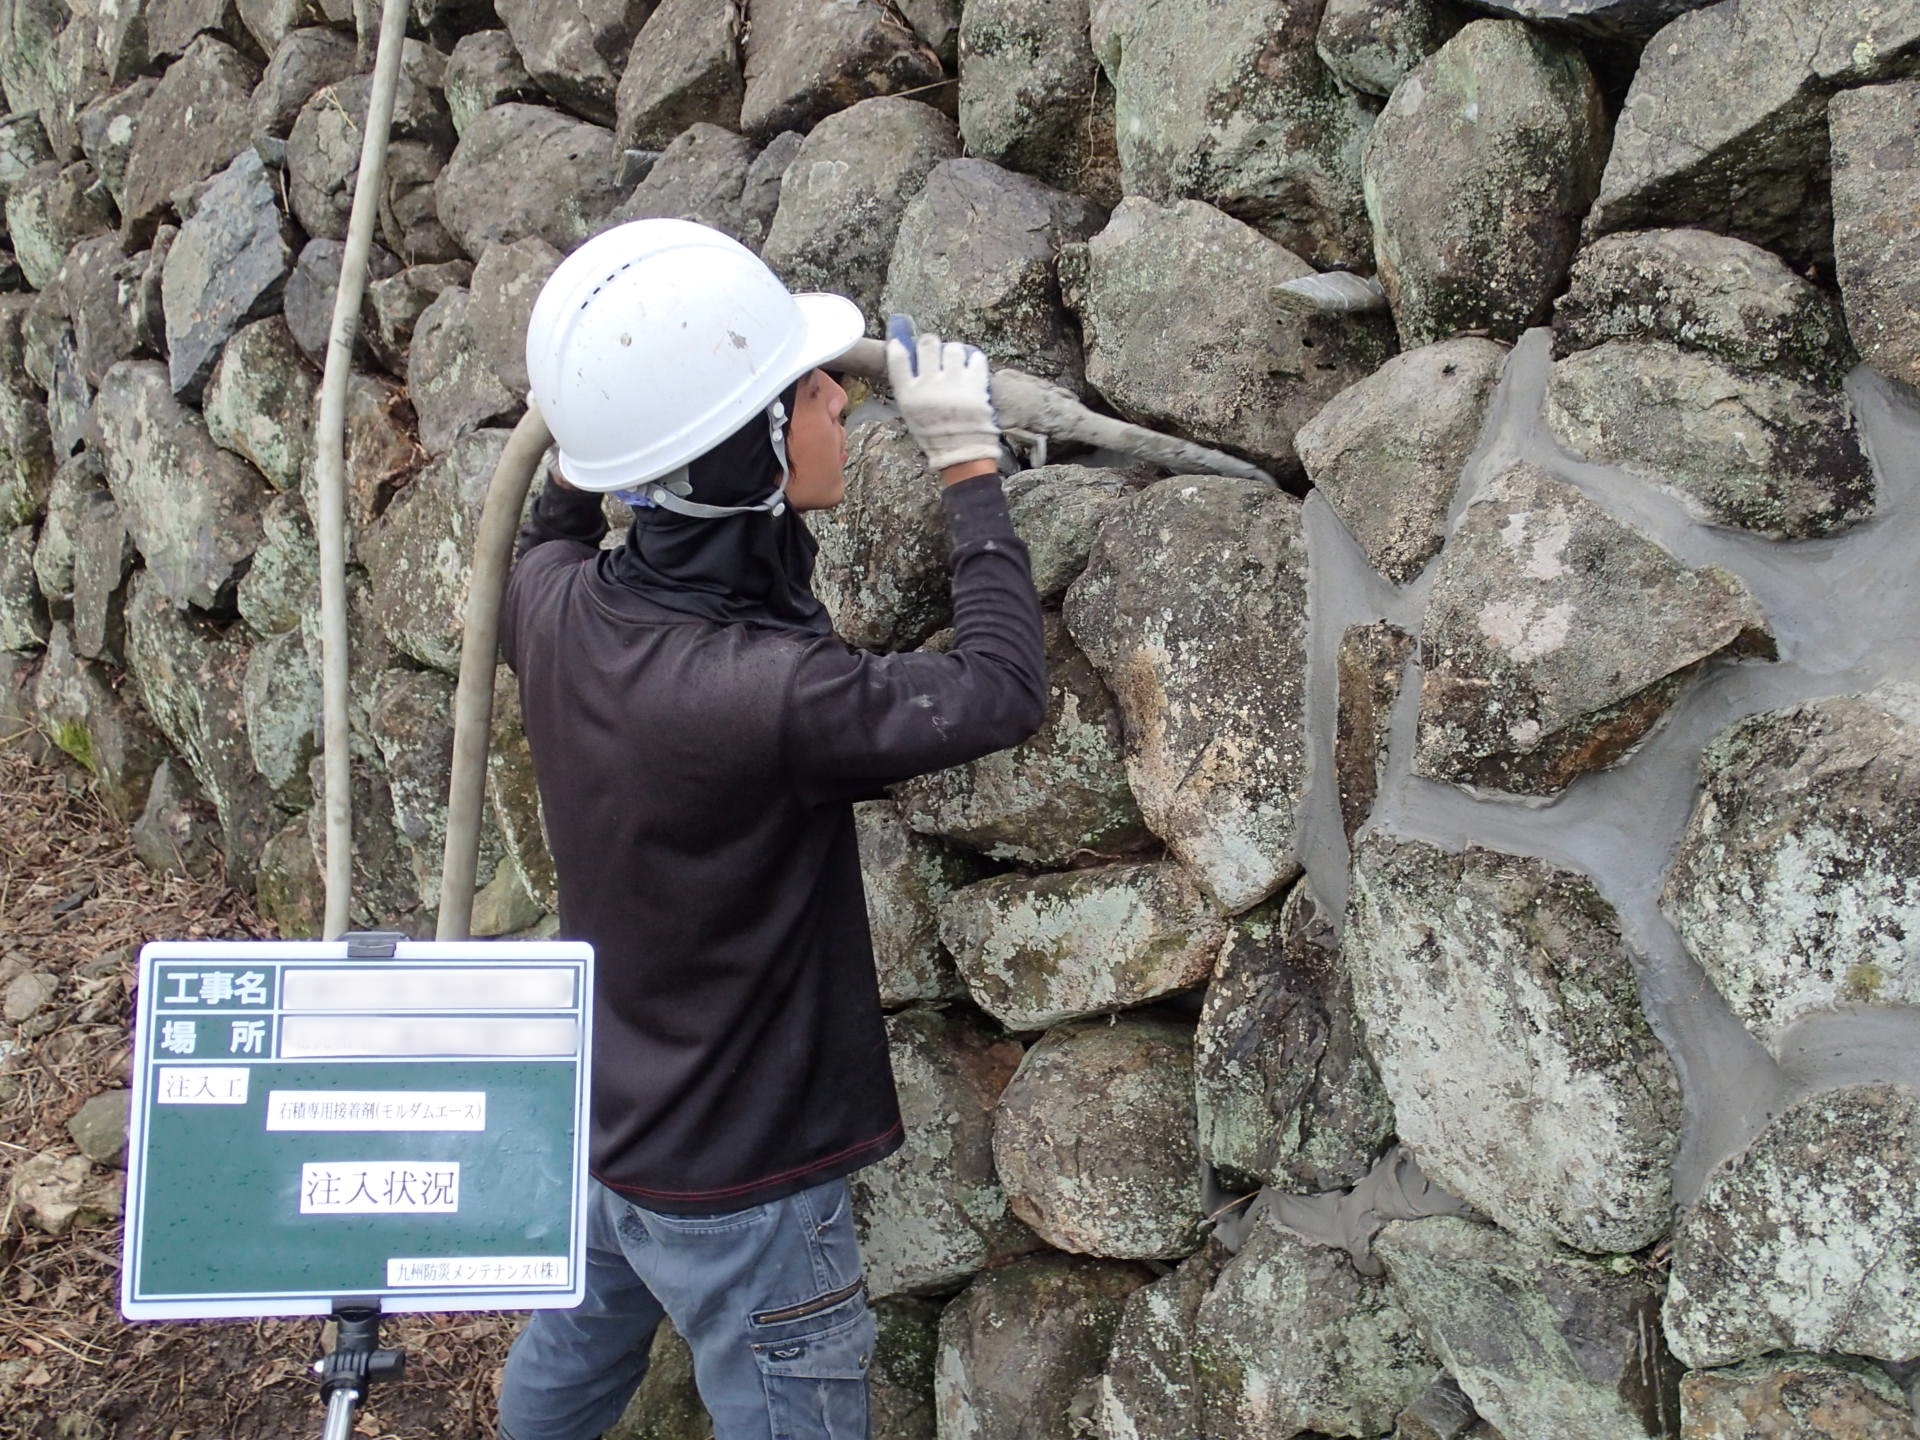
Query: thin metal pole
[
  {"x": 340, "y": 1407},
  {"x": 330, "y": 466}
]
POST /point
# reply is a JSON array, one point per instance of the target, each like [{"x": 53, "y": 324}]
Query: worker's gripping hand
[{"x": 941, "y": 388}]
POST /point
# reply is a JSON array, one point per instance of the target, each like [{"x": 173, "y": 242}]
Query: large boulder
[
  {"x": 197, "y": 119},
  {"x": 1058, "y": 510},
  {"x": 1517, "y": 1322},
  {"x": 713, "y": 177},
  {"x": 1387, "y": 452},
  {"x": 514, "y": 795},
  {"x": 976, "y": 257},
  {"x": 323, "y": 165},
  {"x": 50, "y": 209},
  {"x": 304, "y": 63},
  {"x": 77, "y": 486},
  {"x": 1477, "y": 176},
  {"x": 313, "y": 287},
  {"x": 103, "y": 556},
  {"x": 575, "y": 51},
  {"x": 1556, "y": 637},
  {"x": 23, "y": 612},
  {"x": 1629, "y": 20},
  {"x": 525, "y": 170},
  {"x": 506, "y": 281},
  {"x": 259, "y": 401},
  {"x": 1876, "y": 189},
  {"x": 882, "y": 569},
  {"x": 1292, "y": 1338},
  {"x": 1725, "y": 126},
  {"x": 1797, "y": 883},
  {"x": 23, "y": 145},
  {"x": 806, "y": 59},
  {"x": 1193, "y": 610},
  {"x": 1372, "y": 45},
  {"x": 279, "y": 585},
  {"x": 1764, "y": 453},
  {"x": 1031, "y": 97},
  {"x": 411, "y": 726},
  {"x": 1286, "y": 1093},
  {"x": 685, "y": 67},
  {"x": 227, "y": 266},
  {"x": 1181, "y": 334},
  {"x": 1795, "y": 1397},
  {"x": 1060, "y": 797},
  {"x": 843, "y": 196},
  {"x": 115, "y": 301},
  {"x": 932, "y": 1214},
  {"x": 1146, "y": 1389},
  {"x": 393, "y": 305},
  {"x": 1500, "y": 1005},
  {"x": 26, "y": 457},
  {"x": 1094, "y": 1139},
  {"x": 192, "y": 508},
  {"x": 1250, "y": 120},
  {"x": 483, "y": 71},
  {"x": 1809, "y": 1239},
  {"x": 453, "y": 386},
  {"x": 107, "y": 132},
  {"x": 87, "y": 716},
  {"x": 909, "y": 879},
  {"x": 283, "y": 716}
]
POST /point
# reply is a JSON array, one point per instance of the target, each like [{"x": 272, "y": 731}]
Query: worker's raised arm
[{"x": 561, "y": 512}]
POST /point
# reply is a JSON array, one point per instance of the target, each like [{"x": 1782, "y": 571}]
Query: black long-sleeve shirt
[{"x": 697, "y": 781}]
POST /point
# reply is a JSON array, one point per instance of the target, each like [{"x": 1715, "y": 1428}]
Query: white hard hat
[{"x": 656, "y": 340}]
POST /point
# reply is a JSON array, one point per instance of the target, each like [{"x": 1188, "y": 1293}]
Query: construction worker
[{"x": 699, "y": 737}]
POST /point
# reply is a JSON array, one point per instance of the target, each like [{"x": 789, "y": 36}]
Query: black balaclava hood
[{"x": 755, "y": 567}]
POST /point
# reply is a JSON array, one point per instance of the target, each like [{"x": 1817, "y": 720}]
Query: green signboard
[{"x": 310, "y": 1127}]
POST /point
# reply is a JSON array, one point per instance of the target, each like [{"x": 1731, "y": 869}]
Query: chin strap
[{"x": 670, "y": 491}]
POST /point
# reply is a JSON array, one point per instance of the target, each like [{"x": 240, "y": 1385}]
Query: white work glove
[{"x": 941, "y": 388}]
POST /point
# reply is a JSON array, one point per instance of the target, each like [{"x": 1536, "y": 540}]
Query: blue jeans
[{"x": 769, "y": 1299}]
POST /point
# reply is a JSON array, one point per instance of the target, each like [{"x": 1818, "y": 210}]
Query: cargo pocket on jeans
[{"x": 816, "y": 1384}]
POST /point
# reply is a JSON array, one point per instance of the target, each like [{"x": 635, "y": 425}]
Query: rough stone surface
[
  {"x": 304, "y": 63},
  {"x": 23, "y": 145},
  {"x": 1556, "y": 637},
  {"x": 900, "y": 1383},
  {"x": 308, "y": 301},
  {"x": 1292, "y": 1338},
  {"x": 99, "y": 1127},
  {"x": 283, "y": 714},
  {"x": 1443, "y": 1412},
  {"x": 23, "y": 615},
  {"x": 115, "y": 301},
  {"x": 1038, "y": 949},
  {"x": 394, "y": 305},
  {"x": 1250, "y": 121},
  {"x": 26, "y": 457},
  {"x": 1794, "y": 1398},
  {"x": 1753, "y": 451},
  {"x": 1703, "y": 292},
  {"x": 909, "y": 879},
  {"x": 932, "y": 1214},
  {"x": 323, "y": 163},
  {"x": 452, "y": 384},
  {"x": 192, "y": 508},
  {"x": 667, "y": 1404},
  {"x": 197, "y": 119},
  {"x": 1631, "y": 20},
  {"x": 685, "y": 67},
  {"x": 483, "y": 71},
  {"x": 290, "y": 888},
  {"x": 1193, "y": 610},
  {"x": 882, "y": 568},
  {"x": 1060, "y": 797},
  {"x": 106, "y": 135},
  {"x": 1809, "y": 1239},
  {"x": 259, "y": 401},
  {"x": 412, "y": 727},
  {"x": 383, "y": 455},
  {"x": 177, "y": 833},
  {"x": 79, "y": 483},
  {"x": 705, "y": 175},
  {"x": 1563, "y": 1123},
  {"x": 1286, "y": 1093},
  {"x": 1057, "y": 510},
  {"x": 1181, "y": 336},
  {"x": 1797, "y": 883},
  {"x": 806, "y": 59},
  {"x": 1019, "y": 1343},
  {"x": 1725, "y": 126},
  {"x": 1370, "y": 667},
  {"x": 1876, "y": 190},
  {"x": 513, "y": 796},
  {"x": 1387, "y": 452},
  {"x": 506, "y": 280},
  {"x": 1031, "y": 96},
  {"x": 1373, "y": 45},
  {"x": 86, "y": 716},
  {"x": 227, "y": 266},
  {"x": 58, "y": 1194},
  {"x": 28, "y": 994},
  {"x": 103, "y": 555},
  {"x": 1477, "y": 176},
  {"x": 523, "y": 170},
  {"x": 842, "y": 198},
  {"x": 1544, "y": 1343},
  {"x": 575, "y": 51},
  {"x": 1146, "y": 1388},
  {"x": 975, "y": 257},
  {"x": 1094, "y": 1138},
  {"x": 49, "y": 210}
]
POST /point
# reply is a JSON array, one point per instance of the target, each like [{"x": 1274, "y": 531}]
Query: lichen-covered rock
[
  {"x": 259, "y": 401},
  {"x": 806, "y": 59},
  {"x": 1181, "y": 335},
  {"x": 393, "y": 307},
  {"x": 1193, "y": 610},
  {"x": 383, "y": 455},
  {"x": 1517, "y": 1322},
  {"x": 323, "y": 163},
  {"x": 227, "y": 266},
  {"x": 1758, "y": 452},
  {"x": 1292, "y": 1338},
  {"x": 1057, "y": 510},
  {"x": 1031, "y": 96},
  {"x": 1500, "y": 1006},
  {"x": 1557, "y": 637},
  {"x": 78, "y": 484},
  {"x": 283, "y": 703},
  {"x": 23, "y": 145},
  {"x": 384, "y": 894},
  {"x": 197, "y": 119},
  {"x": 1387, "y": 452},
  {"x": 1477, "y": 176},
  {"x": 305, "y": 62},
  {"x": 900, "y": 1382},
  {"x": 1797, "y": 1397},
  {"x": 843, "y": 196},
  {"x": 26, "y": 456},
  {"x": 932, "y": 1213},
  {"x": 1370, "y": 665},
  {"x": 1286, "y": 1093},
  {"x": 106, "y": 135},
  {"x": 312, "y": 287},
  {"x": 1019, "y": 1343},
  {"x": 412, "y": 727},
  {"x": 1373, "y": 45},
  {"x": 1876, "y": 189},
  {"x": 685, "y": 67},
  {"x": 1094, "y": 1139},
  {"x": 1797, "y": 883},
  {"x": 703, "y": 176},
  {"x": 192, "y": 508},
  {"x": 450, "y": 378},
  {"x": 50, "y": 209},
  {"x": 1809, "y": 1239},
  {"x": 86, "y": 717},
  {"x": 975, "y": 257},
  {"x": 1704, "y": 292},
  {"x": 506, "y": 280},
  {"x": 882, "y": 568},
  {"x": 1442, "y": 1412},
  {"x": 102, "y": 558},
  {"x": 909, "y": 879},
  {"x": 575, "y": 51},
  {"x": 23, "y": 613},
  {"x": 1250, "y": 120},
  {"x": 1060, "y": 797},
  {"x": 114, "y": 301},
  {"x": 1725, "y": 126},
  {"x": 290, "y": 888},
  {"x": 177, "y": 833},
  {"x": 514, "y": 798},
  {"x": 483, "y": 71},
  {"x": 525, "y": 170},
  {"x": 1146, "y": 1388}
]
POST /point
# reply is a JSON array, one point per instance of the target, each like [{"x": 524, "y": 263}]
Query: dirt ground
[{"x": 76, "y": 904}]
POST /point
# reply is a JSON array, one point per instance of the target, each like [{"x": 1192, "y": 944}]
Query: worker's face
[{"x": 817, "y": 444}]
